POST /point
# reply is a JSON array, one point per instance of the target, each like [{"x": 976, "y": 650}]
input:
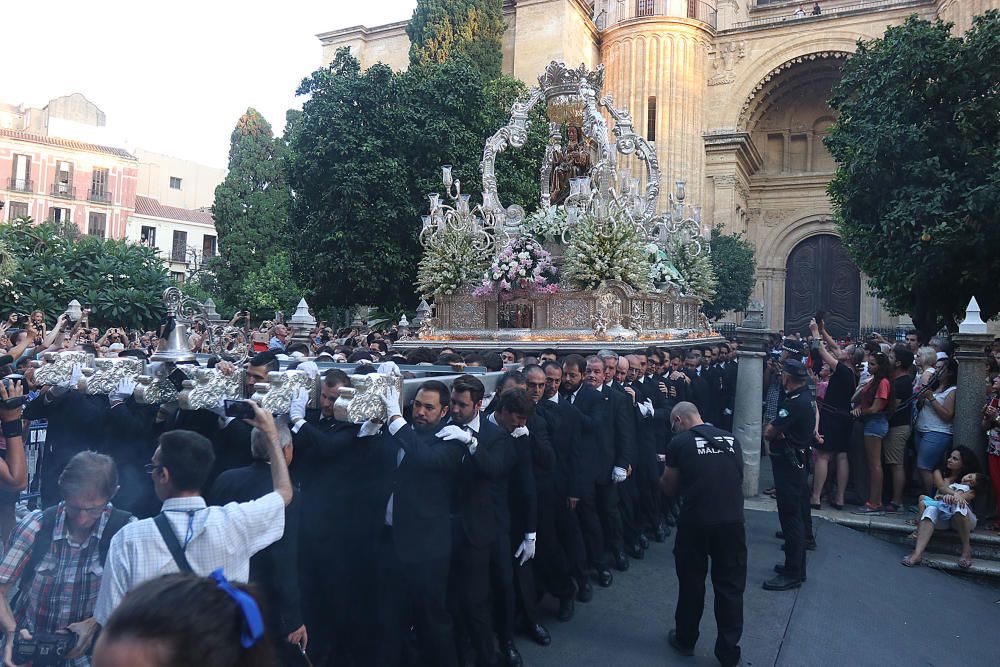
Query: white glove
[
  {"x": 453, "y": 432},
  {"x": 391, "y": 400},
  {"x": 74, "y": 377},
  {"x": 388, "y": 368},
  {"x": 297, "y": 410},
  {"x": 618, "y": 475},
  {"x": 122, "y": 392},
  {"x": 369, "y": 428},
  {"x": 519, "y": 432},
  {"x": 309, "y": 368},
  {"x": 527, "y": 549},
  {"x": 645, "y": 408}
]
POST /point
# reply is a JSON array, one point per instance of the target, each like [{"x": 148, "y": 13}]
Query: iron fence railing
[
  {"x": 619, "y": 11},
  {"x": 825, "y": 12},
  {"x": 63, "y": 190},
  {"x": 20, "y": 184}
]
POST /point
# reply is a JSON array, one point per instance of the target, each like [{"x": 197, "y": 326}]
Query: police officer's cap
[
  {"x": 795, "y": 369},
  {"x": 791, "y": 345}
]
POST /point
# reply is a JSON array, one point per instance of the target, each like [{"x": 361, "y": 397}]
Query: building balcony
[
  {"x": 620, "y": 11},
  {"x": 20, "y": 184},
  {"x": 768, "y": 14},
  {"x": 99, "y": 196},
  {"x": 63, "y": 190}
]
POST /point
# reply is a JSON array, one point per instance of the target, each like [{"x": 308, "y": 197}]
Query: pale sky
[{"x": 174, "y": 77}]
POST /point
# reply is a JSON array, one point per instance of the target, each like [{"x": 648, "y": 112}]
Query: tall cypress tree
[
  {"x": 251, "y": 206},
  {"x": 442, "y": 29}
]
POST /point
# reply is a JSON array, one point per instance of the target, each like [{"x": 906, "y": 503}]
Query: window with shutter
[
  {"x": 97, "y": 224},
  {"x": 179, "y": 249}
]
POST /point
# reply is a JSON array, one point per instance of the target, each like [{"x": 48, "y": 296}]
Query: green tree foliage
[
  {"x": 271, "y": 287},
  {"x": 251, "y": 206},
  {"x": 366, "y": 150},
  {"x": 734, "y": 265},
  {"x": 444, "y": 29},
  {"x": 917, "y": 193},
  {"x": 122, "y": 282}
]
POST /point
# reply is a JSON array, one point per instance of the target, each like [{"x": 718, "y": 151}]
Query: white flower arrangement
[
  {"x": 450, "y": 261},
  {"x": 613, "y": 250},
  {"x": 547, "y": 224}
]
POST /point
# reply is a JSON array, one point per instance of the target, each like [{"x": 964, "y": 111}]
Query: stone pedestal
[
  {"x": 970, "y": 393},
  {"x": 749, "y": 392}
]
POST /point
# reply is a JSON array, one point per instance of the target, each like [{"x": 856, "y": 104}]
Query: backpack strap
[
  {"x": 40, "y": 547},
  {"x": 116, "y": 522},
  {"x": 167, "y": 533}
]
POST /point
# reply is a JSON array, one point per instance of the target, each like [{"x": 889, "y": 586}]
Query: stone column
[
  {"x": 970, "y": 393},
  {"x": 749, "y": 393}
]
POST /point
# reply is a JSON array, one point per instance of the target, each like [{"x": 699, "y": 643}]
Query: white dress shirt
[{"x": 212, "y": 537}]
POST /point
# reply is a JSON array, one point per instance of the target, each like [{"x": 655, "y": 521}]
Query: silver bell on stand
[{"x": 173, "y": 345}]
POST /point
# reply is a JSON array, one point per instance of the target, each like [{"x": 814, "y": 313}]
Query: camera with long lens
[{"x": 43, "y": 648}]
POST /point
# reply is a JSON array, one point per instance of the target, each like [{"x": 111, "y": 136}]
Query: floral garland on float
[{"x": 521, "y": 268}]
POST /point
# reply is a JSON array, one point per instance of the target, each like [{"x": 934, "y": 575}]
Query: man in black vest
[{"x": 705, "y": 468}]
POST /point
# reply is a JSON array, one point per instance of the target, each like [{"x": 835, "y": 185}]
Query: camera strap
[{"x": 173, "y": 544}]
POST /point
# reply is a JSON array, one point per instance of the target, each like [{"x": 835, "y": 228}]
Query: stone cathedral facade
[{"x": 733, "y": 93}]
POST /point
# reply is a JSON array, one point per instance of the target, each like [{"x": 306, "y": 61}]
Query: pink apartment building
[{"x": 49, "y": 178}]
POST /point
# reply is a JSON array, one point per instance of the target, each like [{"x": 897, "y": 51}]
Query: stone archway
[{"x": 820, "y": 275}]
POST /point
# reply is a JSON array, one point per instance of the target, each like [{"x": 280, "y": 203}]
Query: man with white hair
[{"x": 275, "y": 569}]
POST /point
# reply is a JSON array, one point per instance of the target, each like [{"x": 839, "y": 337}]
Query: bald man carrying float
[{"x": 705, "y": 468}]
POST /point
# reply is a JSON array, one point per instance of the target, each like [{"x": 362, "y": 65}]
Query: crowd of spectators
[{"x": 473, "y": 506}]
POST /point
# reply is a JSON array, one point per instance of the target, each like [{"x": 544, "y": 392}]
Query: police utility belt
[{"x": 796, "y": 455}]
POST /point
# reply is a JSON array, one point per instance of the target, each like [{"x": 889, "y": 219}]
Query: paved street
[{"x": 859, "y": 608}]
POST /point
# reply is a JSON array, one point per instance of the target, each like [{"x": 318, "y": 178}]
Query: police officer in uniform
[
  {"x": 791, "y": 436},
  {"x": 704, "y": 467}
]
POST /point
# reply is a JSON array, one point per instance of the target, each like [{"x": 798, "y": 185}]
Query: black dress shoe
[
  {"x": 567, "y": 607},
  {"x": 585, "y": 592},
  {"x": 621, "y": 561},
  {"x": 780, "y": 569},
  {"x": 676, "y": 645},
  {"x": 643, "y": 541},
  {"x": 661, "y": 534},
  {"x": 511, "y": 657},
  {"x": 634, "y": 551},
  {"x": 604, "y": 578},
  {"x": 539, "y": 634},
  {"x": 782, "y": 583}
]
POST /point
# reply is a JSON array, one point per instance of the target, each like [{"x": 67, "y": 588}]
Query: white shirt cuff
[
  {"x": 369, "y": 428},
  {"x": 530, "y": 537},
  {"x": 394, "y": 426},
  {"x": 298, "y": 425}
]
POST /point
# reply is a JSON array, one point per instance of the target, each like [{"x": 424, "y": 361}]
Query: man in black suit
[
  {"x": 598, "y": 452},
  {"x": 699, "y": 392},
  {"x": 552, "y": 563},
  {"x": 418, "y": 462},
  {"x": 730, "y": 371},
  {"x": 571, "y": 470},
  {"x": 476, "y": 522},
  {"x": 649, "y": 409},
  {"x": 333, "y": 472},
  {"x": 275, "y": 569}
]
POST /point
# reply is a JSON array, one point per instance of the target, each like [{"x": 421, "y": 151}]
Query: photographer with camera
[{"x": 55, "y": 558}]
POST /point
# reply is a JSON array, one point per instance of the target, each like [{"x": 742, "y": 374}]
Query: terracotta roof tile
[
  {"x": 151, "y": 207},
  {"x": 66, "y": 143}
]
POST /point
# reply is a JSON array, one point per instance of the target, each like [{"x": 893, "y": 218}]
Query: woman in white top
[{"x": 933, "y": 432}]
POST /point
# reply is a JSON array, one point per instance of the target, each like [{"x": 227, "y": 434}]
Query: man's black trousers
[
  {"x": 792, "y": 492},
  {"x": 725, "y": 545}
]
